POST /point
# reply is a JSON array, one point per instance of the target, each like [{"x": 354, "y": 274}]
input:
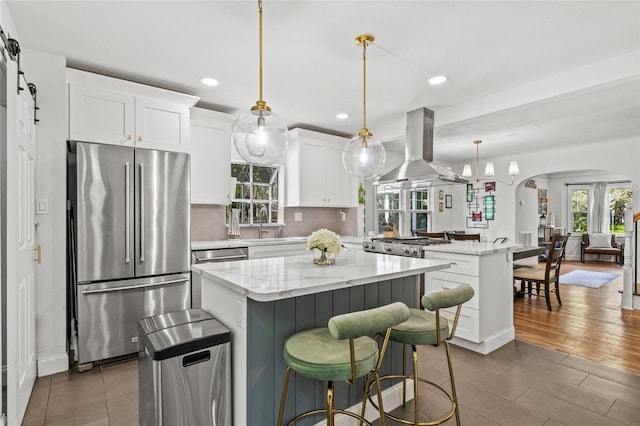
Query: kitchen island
[
  {"x": 486, "y": 321},
  {"x": 264, "y": 301}
]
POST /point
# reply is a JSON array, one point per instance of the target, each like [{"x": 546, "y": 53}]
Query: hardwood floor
[{"x": 590, "y": 323}]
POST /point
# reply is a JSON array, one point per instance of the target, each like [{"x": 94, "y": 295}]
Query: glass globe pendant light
[
  {"x": 364, "y": 156},
  {"x": 259, "y": 135}
]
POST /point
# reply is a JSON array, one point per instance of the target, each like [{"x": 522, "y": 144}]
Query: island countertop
[
  {"x": 284, "y": 277},
  {"x": 477, "y": 248}
]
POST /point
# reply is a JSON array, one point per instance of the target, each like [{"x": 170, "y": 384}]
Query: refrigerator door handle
[
  {"x": 127, "y": 208},
  {"x": 141, "y": 166},
  {"x": 134, "y": 287}
]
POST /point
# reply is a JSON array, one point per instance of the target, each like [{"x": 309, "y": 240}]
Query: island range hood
[{"x": 419, "y": 167}]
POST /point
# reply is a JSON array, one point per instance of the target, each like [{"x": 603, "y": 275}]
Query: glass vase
[{"x": 321, "y": 257}]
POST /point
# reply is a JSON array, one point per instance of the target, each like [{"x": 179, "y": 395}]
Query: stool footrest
[
  {"x": 324, "y": 411},
  {"x": 395, "y": 418}
]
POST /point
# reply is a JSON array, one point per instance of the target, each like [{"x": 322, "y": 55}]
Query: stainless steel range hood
[{"x": 419, "y": 167}]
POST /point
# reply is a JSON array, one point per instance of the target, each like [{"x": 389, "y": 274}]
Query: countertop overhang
[
  {"x": 284, "y": 277},
  {"x": 477, "y": 248}
]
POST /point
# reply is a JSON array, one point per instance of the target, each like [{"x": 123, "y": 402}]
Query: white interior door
[{"x": 20, "y": 248}]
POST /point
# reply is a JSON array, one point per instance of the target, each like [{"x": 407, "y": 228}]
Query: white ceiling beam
[{"x": 613, "y": 69}]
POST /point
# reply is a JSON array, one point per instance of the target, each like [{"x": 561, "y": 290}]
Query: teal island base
[{"x": 259, "y": 329}]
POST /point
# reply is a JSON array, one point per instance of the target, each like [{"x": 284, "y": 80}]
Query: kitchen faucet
[{"x": 263, "y": 210}]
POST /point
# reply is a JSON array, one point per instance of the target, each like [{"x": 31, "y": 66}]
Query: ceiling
[{"x": 522, "y": 74}]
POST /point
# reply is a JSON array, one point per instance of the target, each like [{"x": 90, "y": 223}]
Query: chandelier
[{"x": 489, "y": 170}]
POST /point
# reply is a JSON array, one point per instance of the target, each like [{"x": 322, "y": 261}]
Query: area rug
[{"x": 587, "y": 278}]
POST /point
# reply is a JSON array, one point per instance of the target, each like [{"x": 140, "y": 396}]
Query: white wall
[
  {"x": 47, "y": 72},
  {"x": 527, "y": 218},
  {"x": 447, "y": 219}
]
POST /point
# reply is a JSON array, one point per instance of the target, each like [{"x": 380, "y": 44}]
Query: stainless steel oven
[{"x": 212, "y": 255}]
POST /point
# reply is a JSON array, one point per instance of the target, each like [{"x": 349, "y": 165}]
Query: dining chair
[
  {"x": 423, "y": 233},
  {"x": 463, "y": 237},
  {"x": 549, "y": 274}
]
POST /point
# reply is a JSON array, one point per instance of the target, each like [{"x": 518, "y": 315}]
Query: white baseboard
[
  {"x": 53, "y": 364},
  {"x": 488, "y": 345},
  {"x": 391, "y": 398}
]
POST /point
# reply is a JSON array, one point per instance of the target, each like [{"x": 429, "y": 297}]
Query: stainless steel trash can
[
  {"x": 185, "y": 373},
  {"x": 158, "y": 322}
]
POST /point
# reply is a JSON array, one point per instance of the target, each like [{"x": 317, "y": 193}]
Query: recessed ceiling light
[
  {"x": 439, "y": 79},
  {"x": 342, "y": 116},
  {"x": 208, "y": 81}
]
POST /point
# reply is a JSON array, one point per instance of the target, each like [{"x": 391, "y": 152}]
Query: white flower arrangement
[{"x": 324, "y": 240}]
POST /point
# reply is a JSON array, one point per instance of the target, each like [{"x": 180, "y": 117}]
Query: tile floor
[
  {"x": 518, "y": 385},
  {"x": 106, "y": 395}
]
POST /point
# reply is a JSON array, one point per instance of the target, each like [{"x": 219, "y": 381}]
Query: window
[
  {"x": 619, "y": 197},
  {"x": 579, "y": 215},
  {"x": 388, "y": 207},
  {"x": 419, "y": 208},
  {"x": 408, "y": 209},
  {"x": 256, "y": 187}
]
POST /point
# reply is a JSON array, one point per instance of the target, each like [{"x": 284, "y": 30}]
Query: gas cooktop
[
  {"x": 420, "y": 241},
  {"x": 401, "y": 246}
]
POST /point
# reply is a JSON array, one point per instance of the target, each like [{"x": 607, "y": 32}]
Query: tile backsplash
[{"x": 207, "y": 222}]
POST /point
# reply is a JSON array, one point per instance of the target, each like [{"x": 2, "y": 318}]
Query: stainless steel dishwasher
[{"x": 212, "y": 255}]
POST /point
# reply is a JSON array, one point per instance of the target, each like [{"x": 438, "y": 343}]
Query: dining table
[{"x": 523, "y": 253}]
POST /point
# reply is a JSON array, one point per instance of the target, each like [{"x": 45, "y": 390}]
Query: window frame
[
  {"x": 588, "y": 188},
  {"x": 406, "y": 213},
  {"x": 617, "y": 185},
  {"x": 272, "y": 204},
  {"x": 570, "y": 212}
]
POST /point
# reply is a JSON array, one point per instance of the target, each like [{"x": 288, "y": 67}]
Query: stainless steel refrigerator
[{"x": 129, "y": 243}]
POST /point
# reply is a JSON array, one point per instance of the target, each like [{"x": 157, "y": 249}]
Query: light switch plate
[{"x": 42, "y": 206}]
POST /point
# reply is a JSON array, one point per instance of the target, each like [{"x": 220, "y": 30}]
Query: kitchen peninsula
[
  {"x": 264, "y": 301},
  {"x": 486, "y": 321}
]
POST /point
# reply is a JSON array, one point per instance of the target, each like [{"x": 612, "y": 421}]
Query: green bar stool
[
  {"x": 426, "y": 328},
  {"x": 342, "y": 352}
]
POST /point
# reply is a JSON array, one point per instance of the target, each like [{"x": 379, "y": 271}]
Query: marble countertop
[
  {"x": 478, "y": 248},
  {"x": 216, "y": 244},
  {"x": 284, "y": 277}
]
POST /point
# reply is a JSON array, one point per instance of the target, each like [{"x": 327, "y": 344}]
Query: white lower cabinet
[
  {"x": 315, "y": 176},
  {"x": 277, "y": 250},
  {"x": 486, "y": 321}
]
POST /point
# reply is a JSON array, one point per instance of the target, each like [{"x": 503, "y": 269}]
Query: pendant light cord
[
  {"x": 364, "y": 84},
  {"x": 477, "y": 160},
  {"x": 260, "y": 19}
]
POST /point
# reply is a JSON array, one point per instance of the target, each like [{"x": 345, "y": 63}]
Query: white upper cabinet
[
  {"x": 118, "y": 112},
  {"x": 315, "y": 176},
  {"x": 210, "y": 156}
]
